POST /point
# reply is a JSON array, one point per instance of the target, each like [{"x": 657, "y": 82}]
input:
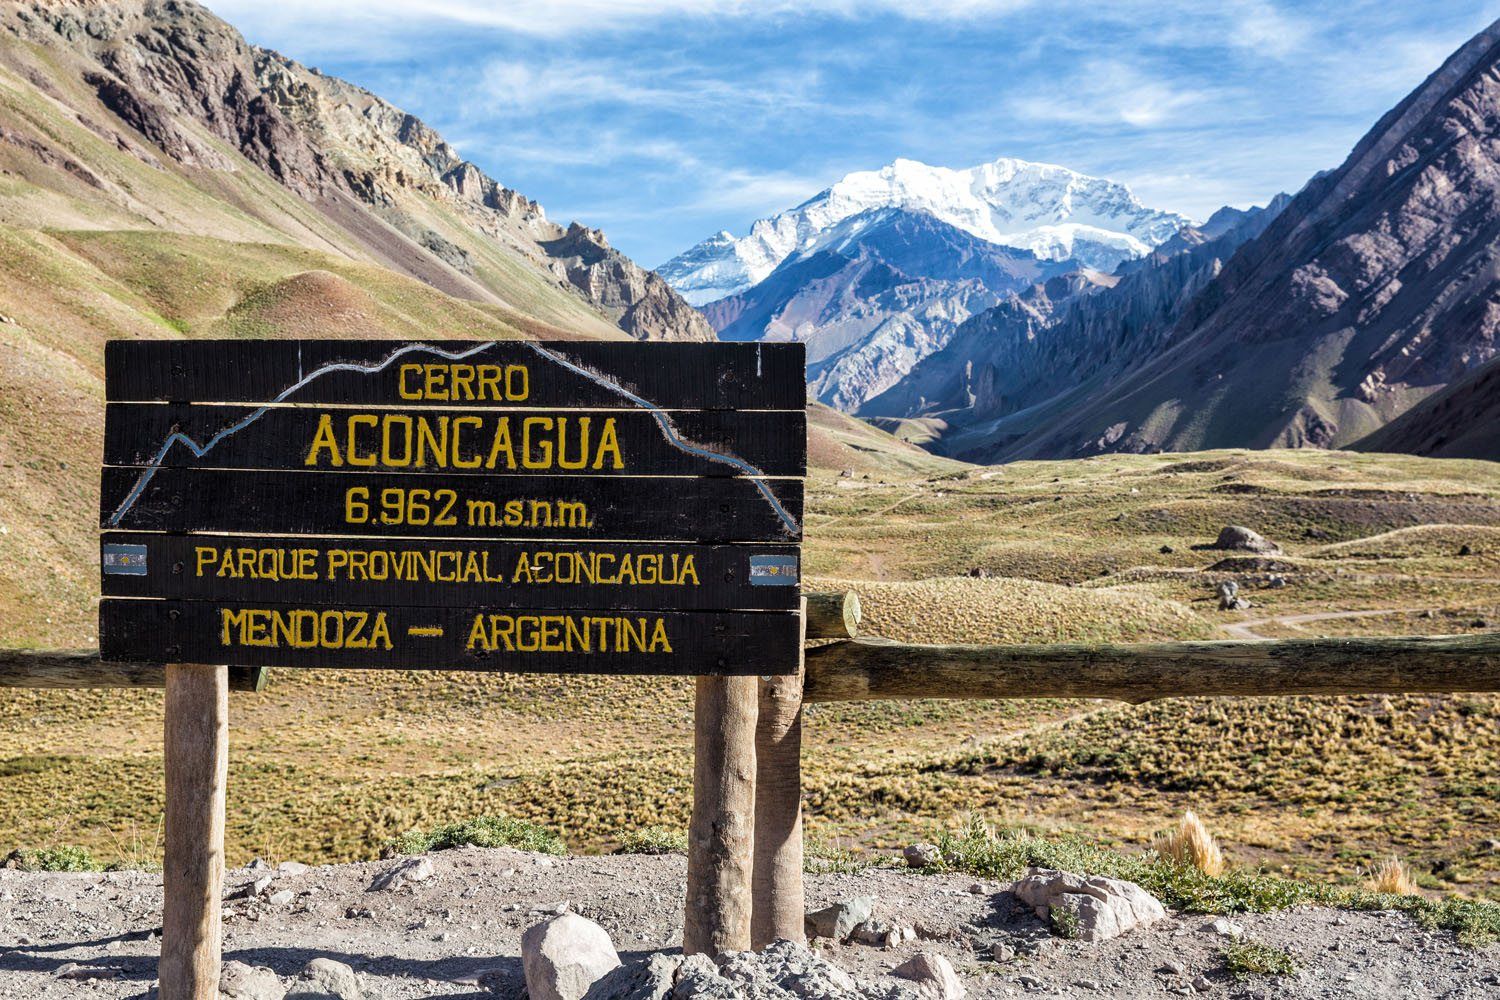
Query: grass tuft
[
  {"x": 1244, "y": 959},
  {"x": 821, "y": 858},
  {"x": 482, "y": 831},
  {"x": 1192, "y": 845},
  {"x": 654, "y": 840},
  {"x": 1006, "y": 855},
  {"x": 1392, "y": 878}
]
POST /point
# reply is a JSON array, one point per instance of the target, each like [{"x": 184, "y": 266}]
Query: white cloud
[
  {"x": 1108, "y": 92},
  {"x": 557, "y": 18}
]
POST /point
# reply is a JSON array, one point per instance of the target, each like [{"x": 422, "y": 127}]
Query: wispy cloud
[{"x": 666, "y": 120}]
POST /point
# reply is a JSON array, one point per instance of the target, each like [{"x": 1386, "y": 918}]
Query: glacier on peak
[{"x": 1052, "y": 211}]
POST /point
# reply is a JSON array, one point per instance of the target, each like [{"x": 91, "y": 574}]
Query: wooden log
[
  {"x": 867, "y": 669},
  {"x": 82, "y": 668},
  {"x": 833, "y": 615},
  {"x": 196, "y": 755},
  {"x": 777, "y": 904},
  {"x": 721, "y": 833}
]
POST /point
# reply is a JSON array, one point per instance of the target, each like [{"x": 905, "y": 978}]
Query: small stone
[
  {"x": 1166, "y": 550},
  {"x": 1203, "y": 984},
  {"x": 1224, "y": 927},
  {"x": 325, "y": 979},
  {"x": 899, "y": 935},
  {"x": 976, "y": 889},
  {"x": 292, "y": 868},
  {"x": 1089, "y": 984},
  {"x": 1174, "y": 968},
  {"x": 922, "y": 855},
  {"x": 1002, "y": 952},
  {"x": 239, "y": 981},
  {"x": 417, "y": 869},
  {"x": 74, "y": 971},
  {"x": 1466, "y": 550},
  {"x": 933, "y": 975},
  {"x": 259, "y": 864},
  {"x": 565, "y": 956},
  {"x": 838, "y": 921},
  {"x": 283, "y": 897}
]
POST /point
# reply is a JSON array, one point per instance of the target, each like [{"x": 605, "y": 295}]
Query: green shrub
[
  {"x": 56, "y": 859},
  {"x": 654, "y": 840},
  {"x": 482, "y": 831},
  {"x": 1244, "y": 959}
]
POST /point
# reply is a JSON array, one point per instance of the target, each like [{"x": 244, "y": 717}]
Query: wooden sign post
[{"x": 502, "y": 506}]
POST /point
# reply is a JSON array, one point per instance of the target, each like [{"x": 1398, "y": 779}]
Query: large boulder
[
  {"x": 1238, "y": 538},
  {"x": 325, "y": 979},
  {"x": 239, "y": 981},
  {"x": 565, "y": 956},
  {"x": 1089, "y": 908}
]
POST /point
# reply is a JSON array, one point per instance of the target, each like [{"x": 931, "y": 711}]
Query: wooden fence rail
[
  {"x": 82, "y": 668},
  {"x": 871, "y": 669}
]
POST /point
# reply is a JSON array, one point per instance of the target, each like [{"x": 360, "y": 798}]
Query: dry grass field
[{"x": 329, "y": 766}]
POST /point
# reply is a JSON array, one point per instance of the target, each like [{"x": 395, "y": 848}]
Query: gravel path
[{"x": 457, "y": 933}]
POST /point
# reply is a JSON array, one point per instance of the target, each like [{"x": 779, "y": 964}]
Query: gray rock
[
  {"x": 838, "y": 921},
  {"x": 1088, "y": 908},
  {"x": 282, "y": 898},
  {"x": 1203, "y": 984},
  {"x": 72, "y": 970},
  {"x": 406, "y": 870},
  {"x": 1239, "y": 538},
  {"x": 292, "y": 868},
  {"x": 1224, "y": 927},
  {"x": 1002, "y": 952},
  {"x": 1229, "y": 599},
  {"x": 325, "y": 979},
  {"x": 652, "y": 979},
  {"x": 565, "y": 956},
  {"x": 933, "y": 975},
  {"x": 239, "y": 981},
  {"x": 922, "y": 855}
]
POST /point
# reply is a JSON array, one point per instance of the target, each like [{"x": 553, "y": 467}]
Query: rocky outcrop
[
  {"x": 1461, "y": 421},
  {"x": 182, "y": 82},
  {"x": 1088, "y": 908}
]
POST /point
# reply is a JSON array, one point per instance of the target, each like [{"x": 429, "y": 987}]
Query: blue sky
[{"x": 663, "y": 121}]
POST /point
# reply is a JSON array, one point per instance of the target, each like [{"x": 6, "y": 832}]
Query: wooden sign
[{"x": 591, "y": 507}]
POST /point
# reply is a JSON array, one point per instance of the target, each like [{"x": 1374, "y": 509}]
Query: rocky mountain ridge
[
  {"x": 1067, "y": 335},
  {"x": 1054, "y": 213},
  {"x": 1378, "y": 285},
  {"x": 189, "y": 90},
  {"x": 873, "y": 295}
]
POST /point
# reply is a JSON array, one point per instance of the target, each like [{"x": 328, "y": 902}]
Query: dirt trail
[
  {"x": 1246, "y": 630},
  {"x": 457, "y": 934}
]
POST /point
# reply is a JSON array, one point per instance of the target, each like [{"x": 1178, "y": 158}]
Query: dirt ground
[{"x": 457, "y": 934}]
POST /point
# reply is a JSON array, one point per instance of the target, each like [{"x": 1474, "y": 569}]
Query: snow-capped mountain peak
[{"x": 1049, "y": 210}]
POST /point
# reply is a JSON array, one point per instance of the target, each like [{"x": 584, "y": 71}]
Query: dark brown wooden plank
[
  {"x": 463, "y": 442},
  {"x": 625, "y": 508},
  {"x": 672, "y": 376},
  {"x": 451, "y": 638},
  {"x": 357, "y": 571}
]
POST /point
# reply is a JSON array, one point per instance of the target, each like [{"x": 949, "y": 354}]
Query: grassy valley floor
[{"x": 329, "y": 766}]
